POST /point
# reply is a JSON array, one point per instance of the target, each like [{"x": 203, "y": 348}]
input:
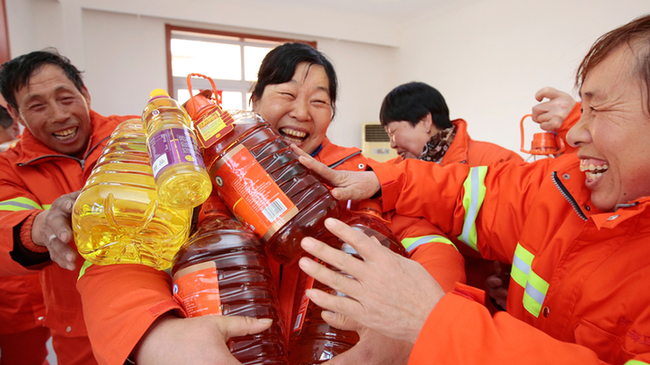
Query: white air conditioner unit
[{"x": 376, "y": 143}]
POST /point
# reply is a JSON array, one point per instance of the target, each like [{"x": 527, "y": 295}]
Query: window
[{"x": 230, "y": 59}]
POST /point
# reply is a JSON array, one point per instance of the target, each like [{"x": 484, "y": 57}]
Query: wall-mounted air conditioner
[{"x": 376, "y": 143}]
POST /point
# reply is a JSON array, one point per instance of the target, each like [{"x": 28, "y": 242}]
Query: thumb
[{"x": 241, "y": 326}]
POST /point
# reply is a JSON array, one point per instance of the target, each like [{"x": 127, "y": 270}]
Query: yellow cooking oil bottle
[
  {"x": 176, "y": 162},
  {"x": 117, "y": 217}
]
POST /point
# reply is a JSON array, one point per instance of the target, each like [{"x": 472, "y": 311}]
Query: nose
[
  {"x": 579, "y": 134},
  {"x": 59, "y": 112},
  {"x": 300, "y": 110},
  {"x": 393, "y": 144}
]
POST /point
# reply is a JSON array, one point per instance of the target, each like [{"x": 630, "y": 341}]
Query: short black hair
[
  {"x": 6, "y": 120},
  {"x": 413, "y": 101},
  {"x": 15, "y": 74},
  {"x": 280, "y": 63}
]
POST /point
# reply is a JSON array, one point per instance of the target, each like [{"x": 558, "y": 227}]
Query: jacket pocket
[{"x": 608, "y": 346}]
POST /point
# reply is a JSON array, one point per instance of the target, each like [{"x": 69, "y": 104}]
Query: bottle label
[
  {"x": 196, "y": 289},
  {"x": 304, "y": 304},
  {"x": 213, "y": 127},
  {"x": 172, "y": 146},
  {"x": 252, "y": 195}
]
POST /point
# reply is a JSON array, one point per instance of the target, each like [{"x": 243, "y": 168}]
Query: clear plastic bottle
[
  {"x": 117, "y": 217},
  {"x": 223, "y": 269},
  {"x": 258, "y": 176},
  {"x": 177, "y": 164},
  {"x": 312, "y": 340}
]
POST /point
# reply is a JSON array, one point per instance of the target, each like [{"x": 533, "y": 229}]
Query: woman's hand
[
  {"x": 354, "y": 185},
  {"x": 387, "y": 293}
]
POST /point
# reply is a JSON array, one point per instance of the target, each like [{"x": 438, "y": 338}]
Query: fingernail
[
  {"x": 265, "y": 320},
  {"x": 307, "y": 243},
  {"x": 308, "y": 293},
  {"x": 64, "y": 236}
]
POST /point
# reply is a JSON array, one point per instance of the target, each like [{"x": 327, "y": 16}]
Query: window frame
[{"x": 174, "y": 83}]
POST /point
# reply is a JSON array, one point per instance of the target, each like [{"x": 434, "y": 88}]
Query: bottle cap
[
  {"x": 199, "y": 104},
  {"x": 158, "y": 92}
]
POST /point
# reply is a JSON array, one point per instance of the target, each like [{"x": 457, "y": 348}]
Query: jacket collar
[{"x": 29, "y": 148}]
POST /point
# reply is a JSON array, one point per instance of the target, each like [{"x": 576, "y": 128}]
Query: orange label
[
  {"x": 251, "y": 193},
  {"x": 196, "y": 289},
  {"x": 304, "y": 304},
  {"x": 213, "y": 126}
]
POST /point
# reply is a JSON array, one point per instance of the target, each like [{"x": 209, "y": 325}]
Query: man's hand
[
  {"x": 52, "y": 229},
  {"x": 551, "y": 113},
  {"x": 374, "y": 348},
  {"x": 387, "y": 293},
  {"x": 197, "y": 341},
  {"x": 348, "y": 185}
]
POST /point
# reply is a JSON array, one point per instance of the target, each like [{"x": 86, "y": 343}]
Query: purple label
[{"x": 172, "y": 146}]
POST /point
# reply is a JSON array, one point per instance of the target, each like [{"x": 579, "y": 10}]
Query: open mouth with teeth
[
  {"x": 65, "y": 134},
  {"x": 593, "y": 169},
  {"x": 293, "y": 136}
]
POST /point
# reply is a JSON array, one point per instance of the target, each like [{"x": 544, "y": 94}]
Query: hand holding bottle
[
  {"x": 388, "y": 293},
  {"x": 199, "y": 340},
  {"x": 52, "y": 229}
]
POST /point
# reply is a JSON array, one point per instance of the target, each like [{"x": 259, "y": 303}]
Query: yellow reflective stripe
[
  {"x": 411, "y": 243},
  {"x": 473, "y": 199},
  {"x": 86, "y": 265},
  {"x": 18, "y": 204},
  {"x": 636, "y": 362},
  {"x": 521, "y": 265},
  {"x": 535, "y": 293},
  {"x": 535, "y": 288}
]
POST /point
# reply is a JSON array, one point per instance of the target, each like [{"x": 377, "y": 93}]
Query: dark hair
[
  {"x": 280, "y": 63},
  {"x": 636, "y": 34},
  {"x": 15, "y": 74},
  {"x": 5, "y": 119},
  {"x": 413, "y": 101}
]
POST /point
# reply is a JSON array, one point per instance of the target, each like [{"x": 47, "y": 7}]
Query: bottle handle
[{"x": 215, "y": 93}]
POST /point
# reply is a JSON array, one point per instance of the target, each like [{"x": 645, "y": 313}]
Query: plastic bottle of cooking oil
[
  {"x": 223, "y": 269},
  {"x": 260, "y": 179},
  {"x": 117, "y": 217},
  {"x": 313, "y": 341},
  {"x": 177, "y": 164}
]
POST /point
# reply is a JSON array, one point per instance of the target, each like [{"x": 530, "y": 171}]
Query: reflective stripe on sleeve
[
  {"x": 17, "y": 204},
  {"x": 535, "y": 288},
  {"x": 472, "y": 201},
  {"x": 411, "y": 243},
  {"x": 86, "y": 265},
  {"x": 636, "y": 362}
]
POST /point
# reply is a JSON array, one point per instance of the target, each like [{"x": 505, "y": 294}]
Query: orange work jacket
[
  {"x": 578, "y": 289},
  {"x": 33, "y": 177}
]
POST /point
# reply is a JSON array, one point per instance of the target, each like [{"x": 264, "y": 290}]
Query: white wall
[
  {"x": 122, "y": 53},
  {"x": 488, "y": 58}
]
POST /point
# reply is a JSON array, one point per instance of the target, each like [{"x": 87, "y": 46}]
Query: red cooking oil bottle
[
  {"x": 260, "y": 179},
  {"x": 223, "y": 270},
  {"x": 312, "y": 340}
]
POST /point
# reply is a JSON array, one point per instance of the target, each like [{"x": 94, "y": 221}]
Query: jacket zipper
[
  {"x": 563, "y": 190},
  {"x": 82, "y": 162}
]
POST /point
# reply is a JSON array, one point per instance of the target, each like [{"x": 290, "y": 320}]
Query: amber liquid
[
  {"x": 245, "y": 284},
  {"x": 306, "y": 191},
  {"x": 316, "y": 342},
  {"x": 117, "y": 217}
]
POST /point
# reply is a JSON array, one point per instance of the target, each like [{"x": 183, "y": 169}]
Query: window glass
[
  {"x": 217, "y": 60},
  {"x": 253, "y": 57}
]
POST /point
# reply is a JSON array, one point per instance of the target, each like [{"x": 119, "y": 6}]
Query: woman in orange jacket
[
  {"x": 575, "y": 228},
  {"x": 129, "y": 308},
  {"x": 416, "y": 117}
]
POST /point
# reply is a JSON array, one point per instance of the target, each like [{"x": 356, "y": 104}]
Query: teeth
[
  {"x": 65, "y": 133},
  {"x": 593, "y": 168},
  {"x": 294, "y": 133}
]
